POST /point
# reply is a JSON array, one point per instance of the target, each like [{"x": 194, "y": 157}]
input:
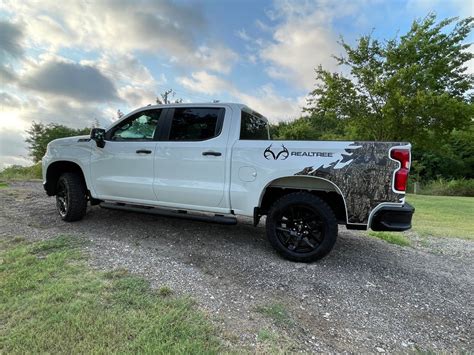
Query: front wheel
[
  {"x": 301, "y": 227},
  {"x": 71, "y": 197}
]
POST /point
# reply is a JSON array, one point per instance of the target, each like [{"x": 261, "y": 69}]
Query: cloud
[
  {"x": 264, "y": 99},
  {"x": 158, "y": 27},
  {"x": 13, "y": 148},
  {"x": 7, "y": 100},
  {"x": 136, "y": 85},
  {"x": 302, "y": 39},
  {"x": 205, "y": 83},
  {"x": 11, "y": 36},
  {"x": 73, "y": 80},
  {"x": 136, "y": 96}
]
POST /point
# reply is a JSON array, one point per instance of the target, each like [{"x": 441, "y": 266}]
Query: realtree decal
[{"x": 364, "y": 176}]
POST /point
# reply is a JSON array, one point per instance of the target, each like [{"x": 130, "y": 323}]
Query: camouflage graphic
[{"x": 364, "y": 176}]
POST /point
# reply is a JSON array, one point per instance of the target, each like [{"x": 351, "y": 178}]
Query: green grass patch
[
  {"x": 165, "y": 291},
  {"x": 443, "y": 216},
  {"x": 392, "y": 238},
  {"x": 267, "y": 335},
  {"x": 277, "y": 312},
  {"x": 17, "y": 172},
  {"x": 443, "y": 187},
  {"x": 3, "y": 185},
  {"x": 52, "y": 302}
]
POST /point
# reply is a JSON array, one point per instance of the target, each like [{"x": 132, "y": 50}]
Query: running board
[{"x": 220, "y": 219}]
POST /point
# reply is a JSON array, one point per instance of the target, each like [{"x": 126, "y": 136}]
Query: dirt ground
[{"x": 366, "y": 296}]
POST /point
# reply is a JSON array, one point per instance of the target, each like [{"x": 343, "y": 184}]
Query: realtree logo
[{"x": 283, "y": 154}]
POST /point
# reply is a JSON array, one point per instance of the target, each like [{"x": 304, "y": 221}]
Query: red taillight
[{"x": 401, "y": 175}]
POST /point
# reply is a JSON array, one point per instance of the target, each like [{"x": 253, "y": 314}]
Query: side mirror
[{"x": 98, "y": 135}]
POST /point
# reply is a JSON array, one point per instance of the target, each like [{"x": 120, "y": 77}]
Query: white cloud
[
  {"x": 17, "y": 115},
  {"x": 219, "y": 58},
  {"x": 242, "y": 34},
  {"x": 157, "y": 27},
  {"x": 205, "y": 83},
  {"x": 264, "y": 99},
  {"x": 13, "y": 148},
  {"x": 303, "y": 39},
  {"x": 136, "y": 85}
]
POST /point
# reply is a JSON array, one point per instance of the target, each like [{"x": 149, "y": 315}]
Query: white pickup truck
[{"x": 215, "y": 161}]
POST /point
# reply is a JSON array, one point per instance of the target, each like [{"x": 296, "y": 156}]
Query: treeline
[{"x": 413, "y": 88}]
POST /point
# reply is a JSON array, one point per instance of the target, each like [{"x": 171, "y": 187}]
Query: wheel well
[
  {"x": 54, "y": 172},
  {"x": 332, "y": 198}
]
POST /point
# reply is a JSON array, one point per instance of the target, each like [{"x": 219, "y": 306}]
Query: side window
[
  {"x": 140, "y": 127},
  {"x": 253, "y": 127},
  {"x": 196, "y": 124}
]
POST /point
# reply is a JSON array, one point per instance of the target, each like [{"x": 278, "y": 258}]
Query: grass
[
  {"x": 443, "y": 216},
  {"x": 277, "y": 312},
  {"x": 3, "y": 185},
  {"x": 17, "y": 172},
  {"x": 392, "y": 238},
  {"x": 443, "y": 187},
  {"x": 52, "y": 302},
  {"x": 266, "y": 335},
  {"x": 165, "y": 291}
]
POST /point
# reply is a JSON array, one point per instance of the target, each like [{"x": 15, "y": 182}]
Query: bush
[
  {"x": 443, "y": 187},
  {"x": 22, "y": 172}
]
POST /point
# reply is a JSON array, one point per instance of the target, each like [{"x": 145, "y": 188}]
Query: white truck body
[{"x": 225, "y": 174}]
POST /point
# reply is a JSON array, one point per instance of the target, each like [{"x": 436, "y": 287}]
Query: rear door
[
  {"x": 123, "y": 169},
  {"x": 190, "y": 163}
]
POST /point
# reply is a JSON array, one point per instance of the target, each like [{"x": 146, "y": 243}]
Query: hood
[{"x": 68, "y": 140}]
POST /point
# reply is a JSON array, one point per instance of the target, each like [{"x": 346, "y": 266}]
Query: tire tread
[{"x": 77, "y": 200}]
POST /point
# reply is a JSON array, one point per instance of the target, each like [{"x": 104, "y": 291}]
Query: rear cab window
[
  {"x": 253, "y": 126},
  {"x": 196, "y": 123}
]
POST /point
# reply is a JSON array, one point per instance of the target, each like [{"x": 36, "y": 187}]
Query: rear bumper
[{"x": 393, "y": 218}]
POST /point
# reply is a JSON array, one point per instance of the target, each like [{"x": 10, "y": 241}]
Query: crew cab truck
[{"x": 216, "y": 161}]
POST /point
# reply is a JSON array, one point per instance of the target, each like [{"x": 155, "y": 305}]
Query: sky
[{"x": 78, "y": 62}]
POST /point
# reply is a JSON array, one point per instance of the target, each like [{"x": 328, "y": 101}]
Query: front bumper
[{"x": 393, "y": 218}]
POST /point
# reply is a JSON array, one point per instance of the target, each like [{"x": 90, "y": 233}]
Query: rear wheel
[
  {"x": 71, "y": 197},
  {"x": 301, "y": 227}
]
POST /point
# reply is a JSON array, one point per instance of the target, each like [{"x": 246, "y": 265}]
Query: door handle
[
  {"x": 216, "y": 154},
  {"x": 144, "y": 151}
]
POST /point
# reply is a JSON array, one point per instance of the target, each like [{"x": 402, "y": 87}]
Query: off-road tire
[
  {"x": 328, "y": 225},
  {"x": 75, "y": 192}
]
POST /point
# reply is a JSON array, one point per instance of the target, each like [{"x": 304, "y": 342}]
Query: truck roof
[
  {"x": 235, "y": 105},
  {"x": 207, "y": 104}
]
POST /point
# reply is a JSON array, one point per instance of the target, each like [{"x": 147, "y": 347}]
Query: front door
[
  {"x": 190, "y": 164},
  {"x": 123, "y": 169}
]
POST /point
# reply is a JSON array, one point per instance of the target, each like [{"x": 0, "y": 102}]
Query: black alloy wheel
[{"x": 301, "y": 227}]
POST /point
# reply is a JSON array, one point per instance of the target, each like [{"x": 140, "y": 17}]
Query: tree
[
  {"x": 167, "y": 98},
  {"x": 413, "y": 88},
  {"x": 39, "y": 135},
  {"x": 300, "y": 129}
]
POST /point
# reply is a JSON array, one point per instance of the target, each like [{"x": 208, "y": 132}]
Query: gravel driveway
[{"x": 366, "y": 296}]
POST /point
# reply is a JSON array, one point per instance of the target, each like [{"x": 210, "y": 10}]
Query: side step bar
[{"x": 220, "y": 219}]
